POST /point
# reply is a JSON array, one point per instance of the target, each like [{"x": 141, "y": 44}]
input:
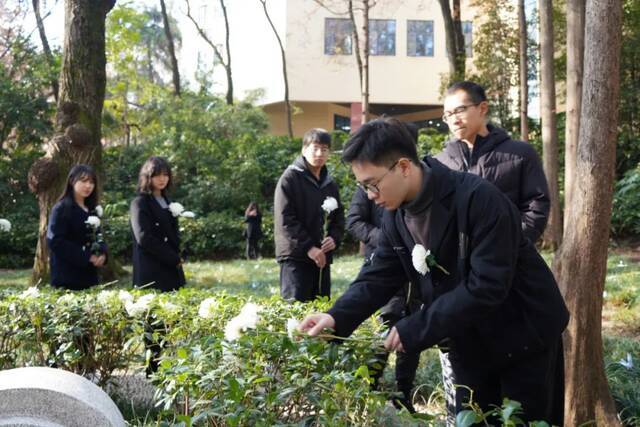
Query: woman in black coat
[
  {"x": 253, "y": 232},
  {"x": 76, "y": 247},
  {"x": 156, "y": 237}
]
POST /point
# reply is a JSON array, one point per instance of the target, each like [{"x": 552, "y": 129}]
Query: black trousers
[
  {"x": 537, "y": 382},
  {"x": 252, "y": 251},
  {"x": 300, "y": 280}
]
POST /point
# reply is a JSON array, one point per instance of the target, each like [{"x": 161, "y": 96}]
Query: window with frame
[
  {"x": 382, "y": 37},
  {"x": 338, "y": 34},
  {"x": 419, "y": 38}
]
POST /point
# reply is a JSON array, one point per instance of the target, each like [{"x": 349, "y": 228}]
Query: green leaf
[{"x": 466, "y": 418}]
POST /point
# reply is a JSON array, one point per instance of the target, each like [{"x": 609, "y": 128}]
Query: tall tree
[
  {"x": 583, "y": 254},
  {"x": 79, "y": 113},
  {"x": 553, "y": 233},
  {"x": 226, "y": 61},
  {"x": 45, "y": 44},
  {"x": 361, "y": 42},
  {"x": 287, "y": 103},
  {"x": 456, "y": 53},
  {"x": 172, "y": 50},
  {"x": 575, "y": 59},
  {"x": 524, "y": 72}
]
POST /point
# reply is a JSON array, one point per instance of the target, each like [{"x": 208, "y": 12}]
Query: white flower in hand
[
  {"x": 188, "y": 214},
  {"x": 5, "y": 225},
  {"x": 99, "y": 211},
  {"x": 93, "y": 221},
  {"x": 176, "y": 208},
  {"x": 329, "y": 205},
  {"x": 419, "y": 258},
  {"x": 292, "y": 327}
]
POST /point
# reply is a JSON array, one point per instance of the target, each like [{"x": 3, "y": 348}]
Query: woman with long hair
[
  {"x": 156, "y": 243},
  {"x": 74, "y": 238}
]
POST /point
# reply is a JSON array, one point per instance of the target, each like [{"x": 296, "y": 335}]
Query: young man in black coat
[
  {"x": 488, "y": 151},
  {"x": 303, "y": 250},
  {"x": 486, "y": 292}
]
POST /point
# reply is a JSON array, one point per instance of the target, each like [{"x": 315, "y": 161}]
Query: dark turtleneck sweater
[{"x": 418, "y": 211}]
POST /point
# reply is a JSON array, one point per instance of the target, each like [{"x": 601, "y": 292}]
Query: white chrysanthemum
[
  {"x": 329, "y": 205},
  {"x": 139, "y": 307},
  {"x": 247, "y": 319},
  {"x": 66, "y": 299},
  {"x": 93, "y": 221},
  {"x": 99, "y": 211},
  {"x": 188, "y": 214},
  {"x": 5, "y": 225},
  {"x": 104, "y": 298},
  {"x": 12, "y": 307},
  {"x": 176, "y": 208},
  {"x": 169, "y": 307},
  {"x": 32, "y": 292},
  {"x": 419, "y": 258},
  {"x": 125, "y": 297},
  {"x": 207, "y": 308},
  {"x": 292, "y": 327},
  {"x": 628, "y": 362}
]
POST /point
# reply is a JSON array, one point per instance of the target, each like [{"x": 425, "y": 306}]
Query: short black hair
[
  {"x": 318, "y": 136},
  {"x": 474, "y": 90},
  {"x": 154, "y": 166},
  {"x": 381, "y": 142}
]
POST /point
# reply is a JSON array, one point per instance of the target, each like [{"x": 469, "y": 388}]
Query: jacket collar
[{"x": 300, "y": 165}]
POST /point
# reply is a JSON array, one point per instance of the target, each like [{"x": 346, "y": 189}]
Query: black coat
[
  {"x": 499, "y": 301},
  {"x": 156, "y": 245},
  {"x": 512, "y": 166},
  {"x": 254, "y": 227},
  {"x": 70, "y": 239},
  {"x": 364, "y": 220},
  {"x": 297, "y": 214}
]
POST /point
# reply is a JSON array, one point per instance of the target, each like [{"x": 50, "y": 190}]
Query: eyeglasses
[
  {"x": 374, "y": 187},
  {"x": 457, "y": 111}
]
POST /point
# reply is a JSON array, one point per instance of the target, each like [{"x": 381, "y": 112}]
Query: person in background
[
  {"x": 76, "y": 248},
  {"x": 253, "y": 231},
  {"x": 303, "y": 250}
]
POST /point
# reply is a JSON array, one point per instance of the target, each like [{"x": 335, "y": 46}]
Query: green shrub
[{"x": 625, "y": 217}]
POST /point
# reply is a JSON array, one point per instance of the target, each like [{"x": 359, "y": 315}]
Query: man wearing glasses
[
  {"x": 303, "y": 250},
  {"x": 512, "y": 166},
  {"x": 485, "y": 289}
]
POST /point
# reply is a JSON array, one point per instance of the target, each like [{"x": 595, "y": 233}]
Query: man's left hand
[
  {"x": 393, "y": 343},
  {"x": 328, "y": 244}
]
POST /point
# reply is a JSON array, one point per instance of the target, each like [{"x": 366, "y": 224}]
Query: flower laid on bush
[
  {"x": 207, "y": 308},
  {"x": 247, "y": 319},
  {"x": 140, "y": 307},
  {"x": 5, "y": 225}
]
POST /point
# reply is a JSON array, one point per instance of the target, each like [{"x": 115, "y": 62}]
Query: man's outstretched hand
[{"x": 314, "y": 324}]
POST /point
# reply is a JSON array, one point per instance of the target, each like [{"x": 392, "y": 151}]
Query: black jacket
[
  {"x": 156, "y": 245},
  {"x": 512, "y": 166},
  {"x": 254, "y": 227},
  {"x": 70, "y": 239},
  {"x": 297, "y": 213},
  {"x": 499, "y": 301},
  {"x": 364, "y": 220}
]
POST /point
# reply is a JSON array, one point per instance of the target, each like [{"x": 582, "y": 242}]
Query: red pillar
[{"x": 356, "y": 116}]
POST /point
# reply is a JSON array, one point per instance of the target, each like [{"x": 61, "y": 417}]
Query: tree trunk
[
  {"x": 287, "y": 104},
  {"x": 226, "y": 63},
  {"x": 524, "y": 78},
  {"x": 227, "y": 67},
  {"x": 45, "y": 45},
  {"x": 584, "y": 251},
  {"x": 553, "y": 233},
  {"x": 365, "y": 62},
  {"x": 172, "y": 50},
  {"x": 79, "y": 113},
  {"x": 453, "y": 34},
  {"x": 575, "y": 56}
]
